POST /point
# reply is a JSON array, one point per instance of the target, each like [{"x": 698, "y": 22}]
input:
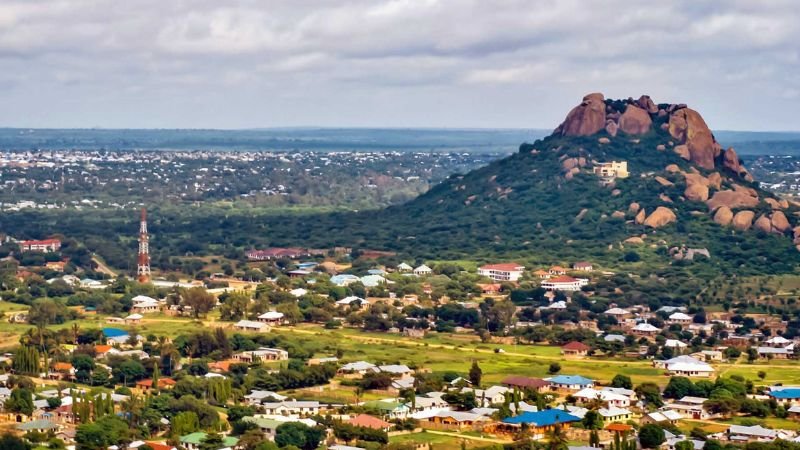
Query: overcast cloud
[{"x": 399, "y": 63}]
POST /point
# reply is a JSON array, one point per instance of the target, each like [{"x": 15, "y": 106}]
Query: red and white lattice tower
[{"x": 143, "y": 264}]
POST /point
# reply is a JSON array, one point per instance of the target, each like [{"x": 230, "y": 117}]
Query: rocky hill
[{"x": 683, "y": 194}]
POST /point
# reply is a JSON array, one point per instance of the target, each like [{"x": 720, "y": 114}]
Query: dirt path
[{"x": 102, "y": 267}]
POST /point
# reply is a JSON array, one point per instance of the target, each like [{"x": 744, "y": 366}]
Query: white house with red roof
[
  {"x": 502, "y": 272},
  {"x": 564, "y": 283},
  {"x": 47, "y": 245}
]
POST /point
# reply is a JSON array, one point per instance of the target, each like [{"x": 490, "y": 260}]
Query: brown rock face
[
  {"x": 611, "y": 128},
  {"x": 763, "y": 224},
  {"x": 743, "y": 220},
  {"x": 639, "y": 219},
  {"x": 635, "y": 240},
  {"x": 731, "y": 161},
  {"x": 672, "y": 168},
  {"x": 647, "y": 104},
  {"x": 660, "y": 217},
  {"x": 663, "y": 181},
  {"x": 585, "y": 119},
  {"x": 688, "y": 127},
  {"x": 683, "y": 152},
  {"x": 696, "y": 192},
  {"x": 732, "y": 199},
  {"x": 715, "y": 180},
  {"x": 779, "y": 222},
  {"x": 618, "y": 215},
  {"x": 724, "y": 216},
  {"x": 634, "y": 207},
  {"x": 635, "y": 120}
]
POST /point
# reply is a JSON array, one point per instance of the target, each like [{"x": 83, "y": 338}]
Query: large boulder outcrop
[
  {"x": 635, "y": 120},
  {"x": 732, "y": 199},
  {"x": 683, "y": 151},
  {"x": 688, "y": 127},
  {"x": 780, "y": 224},
  {"x": 660, "y": 217},
  {"x": 743, "y": 220},
  {"x": 647, "y": 104},
  {"x": 640, "y": 217},
  {"x": 696, "y": 192},
  {"x": 730, "y": 160},
  {"x": 763, "y": 224},
  {"x": 585, "y": 119},
  {"x": 723, "y": 216}
]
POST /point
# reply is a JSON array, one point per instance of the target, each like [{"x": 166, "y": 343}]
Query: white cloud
[{"x": 243, "y": 63}]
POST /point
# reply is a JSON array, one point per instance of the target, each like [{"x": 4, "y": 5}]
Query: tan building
[{"x": 611, "y": 170}]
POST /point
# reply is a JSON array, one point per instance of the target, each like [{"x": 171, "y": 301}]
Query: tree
[
  {"x": 592, "y": 420},
  {"x": 184, "y": 423},
  {"x": 651, "y": 436},
  {"x": 10, "y": 442},
  {"x": 622, "y": 381},
  {"x": 212, "y": 441},
  {"x": 475, "y": 374},
  {"x": 297, "y": 434},
  {"x": 20, "y": 401},
  {"x": 650, "y": 393},
  {"x": 199, "y": 300},
  {"x": 684, "y": 445},
  {"x": 554, "y": 368}
]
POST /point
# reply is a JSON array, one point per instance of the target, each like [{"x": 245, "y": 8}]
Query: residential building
[
  {"x": 569, "y": 382},
  {"x": 610, "y": 170},
  {"x": 575, "y": 348},
  {"x": 251, "y": 326},
  {"x": 47, "y": 245},
  {"x": 502, "y": 272},
  {"x": 564, "y": 283}
]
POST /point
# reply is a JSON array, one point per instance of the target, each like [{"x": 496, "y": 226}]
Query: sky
[{"x": 391, "y": 63}]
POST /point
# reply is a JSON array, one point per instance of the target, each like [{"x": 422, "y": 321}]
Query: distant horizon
[{"x": 326, "y": 127}]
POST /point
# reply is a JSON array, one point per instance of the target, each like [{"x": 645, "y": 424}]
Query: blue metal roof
[
  {"x": 114, "y": 332},
  {"x": 786, "y": 393},
  {"x": 542, "y": 418},
  {"x": 571, "y": 380}
]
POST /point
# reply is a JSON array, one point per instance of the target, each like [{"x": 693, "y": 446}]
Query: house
[
  {"x": 613, "y": 414},
  {"x": 271, "y": 318},
  {"x": 458, "y": 419},
  {"x": 133, "y": 319},
  {"x": 583, "y": 266},
  {"x": 618, "y": 313},
  {"x": 489, "y": 396},
  {"x": 675, "y": 344},
  {"x": 426, "y": 406},
  {"x": 38, "y": 425},
  {"x": 47, "y": 245},
  {"x": 403, "y": 267},
  {"x": 367, "y": 421},
  {"x": 423, "y": 270},
  {"x": 540, "y": 423},
  {"x": 575, "y": 348},
  {"x": 251, "y": 326},
  {"x": 357, "y": 368},
  {"x": 268, "y": 425},
  {"x": 755, "y": 433},
  {"x": 291, "y": 407},
  {"x": 344, "y": 279},
  {"x": 608, "y": 171},
  {"x": 62, "y": 371},
  {"x": 143, "y": 304},
  {"x": 502, "y": 272},
  {"x": 262, "y": 354},
  {"x": 691, "y": 407},
  {"x": 57, "y": 266},
  {"x": 163, "y": 383},
  {"x": 663, "y": 416},
  {"x": 388, "y": 408},
  {"x": 777, "y": 341},
  {"x": 299, "y": 292},
  {"x": 359, "y": 302},
  {"x": 775, "y": 352},
  {"x": 686, "y": 366},
  {"x": 679, "y": 318},
  {"x": 541, "y": 274},
  {"x": 645, "y": 329},
  {"x": 490, "y": 288},
  {"x": 785, "y": 395},
  {"x": 193, "y": 441},
  {"x": 255, "y": 398},
  {"x": 396, "y": 370},
  {"x": 564, "y": 283},
  {"x": 523, "y": 383},
  {"x": 569, "y": 383},
  {"x": 608, "y": 398}
]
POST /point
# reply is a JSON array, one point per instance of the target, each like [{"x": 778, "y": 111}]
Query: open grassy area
[{"x": 439, "y": 441}]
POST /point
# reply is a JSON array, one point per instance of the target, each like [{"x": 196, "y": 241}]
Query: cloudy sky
[{"x": 393, "y": 63}]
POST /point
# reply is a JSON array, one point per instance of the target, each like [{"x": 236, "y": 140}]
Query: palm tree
[
  {"x": 132, "y": 407},
  {"x": 557, "y": 439},
  {"x": 76, "y": 328}
]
